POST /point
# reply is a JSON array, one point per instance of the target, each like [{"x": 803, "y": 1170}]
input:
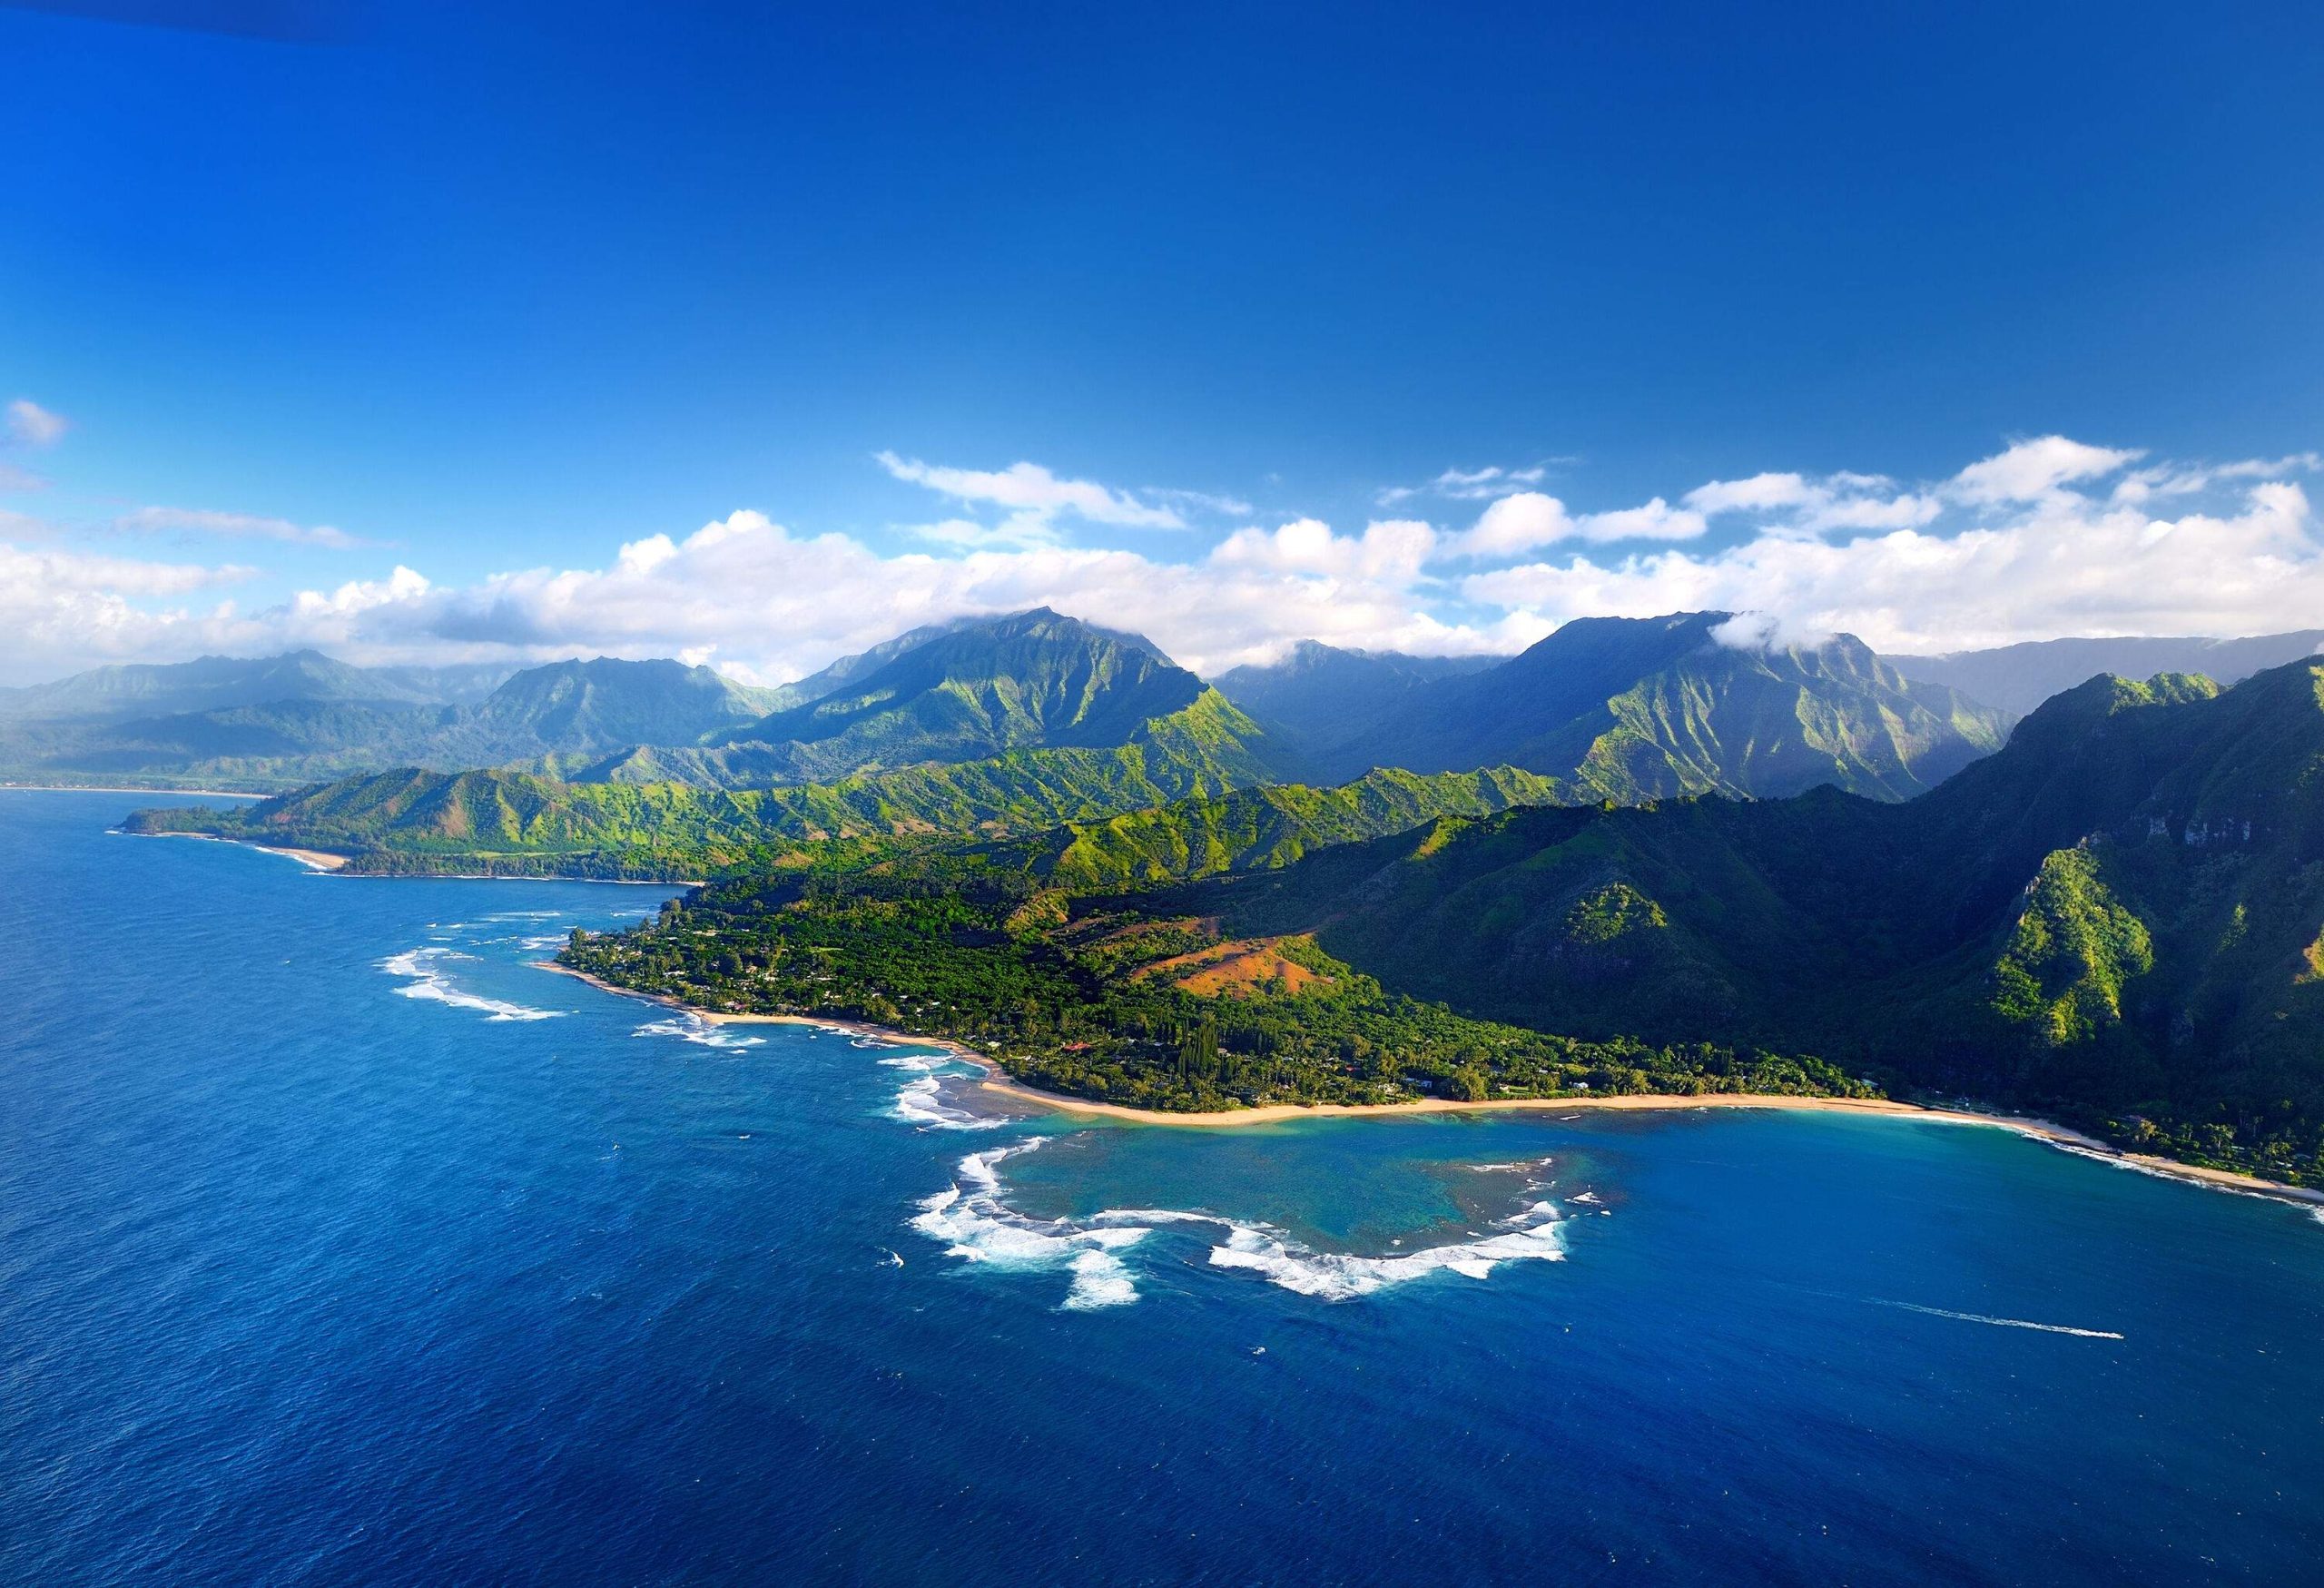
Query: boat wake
[
  {"x": 2002, "y": 1323},
  {"x": 425, "y": 981},
  {"x": 974, "y": 1221}
]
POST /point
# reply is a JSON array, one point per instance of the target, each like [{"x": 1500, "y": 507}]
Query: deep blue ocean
[{"x": 339, "y": 1245}]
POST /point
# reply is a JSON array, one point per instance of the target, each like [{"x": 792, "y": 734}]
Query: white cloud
[
  {"x": 1513, "y": 526},
  {"x": 1528, "y": 520},
  {"x": 2067, "y": 566},
  {"x": 1202, "y": 501},
  {"x": 1032, "y": 488},
  {"x": 1839, "y": 502},
  {"x": 2029, "y": 470},
  {"x": 1657, "y": 520},
  {"x": 236, "y": 525},
  {"x": 14, "y": 478},
  {"x": 1466, "y": 484},
  {"x": 1767, "y": 631},
  {"x": 1761, "y": 493},
  {"x": 2238, "y": 552},
  {"x": 1017, "y": 532},
  {"x": 1390, "y": 550},
  {"x": 64, "y": 609},
  {"x": 34, "y": 425}
]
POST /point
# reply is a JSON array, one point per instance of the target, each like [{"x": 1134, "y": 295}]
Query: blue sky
[{"x": 501, "y": 296}]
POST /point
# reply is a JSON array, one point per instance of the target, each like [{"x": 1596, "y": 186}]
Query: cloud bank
[{"x": 2046, "y": 536}]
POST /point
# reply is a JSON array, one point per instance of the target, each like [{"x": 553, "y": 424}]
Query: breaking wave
[
  {"x": 693, "y": 1028},
  {"x": 976, "y": 1223},
  {"x": 1529, "y": 1235},
  {"x": 428, "y": 983},
  {"x": 2124, "y": 1161},
  {"x": 921, "y": 1100}
]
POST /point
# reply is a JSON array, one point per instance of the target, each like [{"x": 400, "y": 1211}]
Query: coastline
[
  {"x": 323, "y": 860},
  {"x": 314, "y": 860},
  {"x": 2047, "y": 1131},
  {"x": 819, "y": 1022},
  {"x": 215, "y": 794},
  {"x": 996, "y": 1081}
]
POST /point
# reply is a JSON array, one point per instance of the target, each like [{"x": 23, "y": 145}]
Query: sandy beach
[
  {"x": 313, "y": 859},
  {"x": 316, "y": 858},
  {"x": 2047, "y": 1130},
  {"x": 819, "y": 1022},
  {"x": 997, "y": 1083}
]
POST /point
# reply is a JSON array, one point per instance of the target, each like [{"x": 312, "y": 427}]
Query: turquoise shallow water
[{"x": 307, "y": 1278}]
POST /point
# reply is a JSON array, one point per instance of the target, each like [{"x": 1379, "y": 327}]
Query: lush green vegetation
[
  {"x": 1631, "y": 709},
  {"x": 1058, "y": 802},
  {"x": 1105, "y": 1001},
  {"x": 2118, "y": 919},
  {"x": 2114, "y": 920},
  {"x": 516, "y": 822}
]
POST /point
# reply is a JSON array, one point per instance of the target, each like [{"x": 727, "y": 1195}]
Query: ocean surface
[{"x": 338, "y": 1244}]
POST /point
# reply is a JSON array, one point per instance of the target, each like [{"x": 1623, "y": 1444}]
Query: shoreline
[
  {"x": 2047, "y": 1131},
  {"x": 215, "y": 794},
  {"x": 998, "y": 1081},
  {"x": 313, "y": 859},
  {"x": 323, "y": 860},
  {"x": 820, "y": 1022}
]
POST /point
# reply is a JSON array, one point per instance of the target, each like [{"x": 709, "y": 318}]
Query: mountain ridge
[
  {"x": 1644, "y": 707},
  {"x": 2019, "y": 677}
]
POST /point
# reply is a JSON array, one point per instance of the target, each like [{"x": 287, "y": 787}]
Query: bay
[{"x": 339, "y": 1244}]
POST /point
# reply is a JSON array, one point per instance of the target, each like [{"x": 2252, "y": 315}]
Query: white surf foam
[
  {"x": 1529, "y": 1235},
  {"x": 2003, "y": 1322},
  {"x": 2119, "y": 1161},
  {"x": 976, "y": 1225},
  {"x": 428, "y": 983},
  {"x": 979, "y": 1225},
  {"x": 921, "y": 1100},
  {"x": 693, "y": 1028}
]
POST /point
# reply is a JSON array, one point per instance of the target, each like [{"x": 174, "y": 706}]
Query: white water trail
[{"x": 2002, "y": 1323}]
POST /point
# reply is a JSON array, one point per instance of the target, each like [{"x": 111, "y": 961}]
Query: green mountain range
[
  {"x": 997, "y": 728},
  {"x": 968, "y": 692},
  {"x": 2119, "y": 915},
  {"x": 1614, "y": 709},
  {"x": 284, "y": 720},
  {"x": 1323, "y": 692},
  {"x": 518, "y": 823},
  {"x": 2117, "y": 919},
  {"x": 1636, "y": 708},
  {"x": 225, "y": 683},
  {"x": 2017, "y": 678}
]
